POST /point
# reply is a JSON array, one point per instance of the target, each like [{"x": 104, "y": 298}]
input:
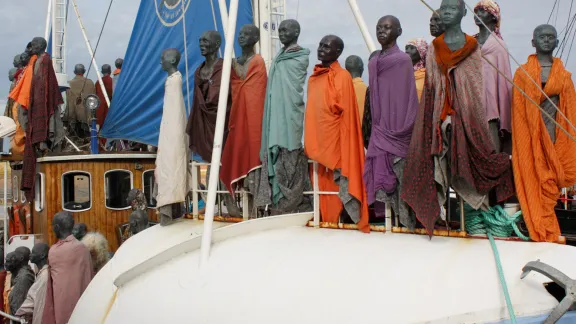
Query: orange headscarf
[
  {"x": 542, "y": 167},
  {"x": 448, "y": 59},
  {"x": 21, "y": 92}
]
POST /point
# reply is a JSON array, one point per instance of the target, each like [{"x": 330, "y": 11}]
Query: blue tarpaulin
[{"x": 136, "y": 108}]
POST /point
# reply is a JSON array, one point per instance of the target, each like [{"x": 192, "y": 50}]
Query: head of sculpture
[
  {"x": 79, "y": 69},
  {"x": 248, "y": 36},
  {"x": 62, "y": 224},
  {"x": 79, "y": 231},
  {"x": 28, "y": 49},
  {"x": 106, "y": 69},
  {"x": 388, "y": 29},
  {"x": 138, "y": 221},
  {"x": 12, "y": 73},
  {"x": 452, "y": 12},
  {"x": 11, "y": 262},
  {"x": 39, "y": 255},
  {"x": 118, "y": 63},
  {"x": 329, "y": 49},
  {"x": 545, "y": 39},
  {"x": 170, "y": 59},
  {"x": 436, "y": 25},
  {"x": 24, "y": 59},
  {"x": 24, "y": 252},
  {"x": 210, "y": 42},
  {"x": 17, "y": 259},
  {"x": 288, "y": 32},
  {"x": 483, "y": 16},
  {"x": 412, "y": 51},
  {"x": 17, "y": 61},
  {"x": 39, "y": 45},
  {"x": 355, "y": 66}
]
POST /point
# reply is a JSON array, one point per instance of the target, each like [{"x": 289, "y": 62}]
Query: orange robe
[
  {"x": 360, "y": 89},
  {"x": 542, "y": 168},
  {"x": 419, "y": 76},
  {"x": 241, "y": 152},
  {"x": 21, "y": 96},
  {"x": 333, "y": 138}
]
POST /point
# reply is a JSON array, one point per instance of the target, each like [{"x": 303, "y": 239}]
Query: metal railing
[{"x": 13, "y": 319}]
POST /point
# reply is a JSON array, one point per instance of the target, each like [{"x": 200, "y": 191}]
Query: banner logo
[{"x": 170, "y": 12}]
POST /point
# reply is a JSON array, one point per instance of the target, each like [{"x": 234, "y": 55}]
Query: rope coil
[{"x": 495, "y": 221}]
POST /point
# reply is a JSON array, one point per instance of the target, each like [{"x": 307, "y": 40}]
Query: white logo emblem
[{"x": 170, "y": 12}]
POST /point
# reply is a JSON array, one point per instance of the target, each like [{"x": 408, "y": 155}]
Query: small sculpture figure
[
  {"x": 116, "y": 74},
  {"x": 76, "y": 117},
  {"x": 17, "y": 62},
  {"x": 137, "y": 199},
  {"x": 22, "y": 277},
  {"x": 333, "y": 136},
  {"x": 70, "y": 271},
  {"x": 20, "y": 96},
  {"x": 543, "y": 156},
  {"x": 355, "y": 66},
  {"x": 417, "y": 49},
  {"x": 171, "y": 173},
  {"x": 79, "y": 231},
  {"x": 33, "y": 307},
  {"x": 138, "y": 221},
  {"x": 108, "y": 85}
]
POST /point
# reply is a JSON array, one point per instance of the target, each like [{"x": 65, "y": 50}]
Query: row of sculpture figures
[{"x": 469, "y": 113}]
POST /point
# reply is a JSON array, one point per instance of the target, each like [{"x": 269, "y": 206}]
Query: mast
[{"x": 59, "y": 13}]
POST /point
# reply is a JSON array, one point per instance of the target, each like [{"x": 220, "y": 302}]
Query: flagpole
[{"x": 219, "y": 134}]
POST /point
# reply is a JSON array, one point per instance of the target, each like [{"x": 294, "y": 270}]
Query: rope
[
  {"x": 98, "y": 41},
  {"x": 495, "y": 222}
]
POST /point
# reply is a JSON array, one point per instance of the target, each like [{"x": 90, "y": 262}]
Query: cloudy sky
[{"x": 26, "y": 19}]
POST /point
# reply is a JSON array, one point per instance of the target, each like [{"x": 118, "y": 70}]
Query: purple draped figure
[{"x": 394, "y": 105}]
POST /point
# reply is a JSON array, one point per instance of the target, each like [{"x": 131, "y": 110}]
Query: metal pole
[
  {"x": 362, "y": 24},
  {"x": 93, "y": 137},
  {"x": 91, "y": 53},
  {"x": 186, "y": 58},
  {"x": 225, "y": 21},
  {"x": 218, "y": 135},
  {"x": 6, "y": 166},
  {"x": 48, "y": 22}
]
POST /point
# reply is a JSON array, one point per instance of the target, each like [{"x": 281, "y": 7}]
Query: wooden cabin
[{"x": 93, "y": 187}]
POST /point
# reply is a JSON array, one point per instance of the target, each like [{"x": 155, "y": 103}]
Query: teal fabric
[{"x": 283, "y": 123}]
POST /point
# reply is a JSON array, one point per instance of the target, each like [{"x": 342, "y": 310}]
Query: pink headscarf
[
  {"x": 494, "y": 9},
  {"x": 422, "y": 48}
]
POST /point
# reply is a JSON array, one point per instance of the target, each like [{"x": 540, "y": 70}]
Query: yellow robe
[
  {"x": 360, "y": 90},
  {"x": 420, "y": 75}
]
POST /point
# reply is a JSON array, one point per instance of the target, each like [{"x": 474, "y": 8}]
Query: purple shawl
[{"x": 394, "y": 105}]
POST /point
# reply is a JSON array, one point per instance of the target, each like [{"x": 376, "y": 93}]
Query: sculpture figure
[
  {"x": 79, "y": 231},
  {"x": 207, "y": 78},
  {"x": 20, "y": 95},
  {"x": 241, "y": 163},
  {"x": 394, "y": 105},
  {"x": 282, "y": 152},
  {"x": 45, "y": 131},
  {"x": 417, "y": 49},
  {"x": 171, "y": 173},
  {"x": 70, "y": 271},
  {"x": 497, "y": 89},
  {"x": 333, "y": 136},
  {"x": 22, "y": 277},
  {"x": 138, "y": 221},
  {"x": 436, "y": 26},
  {"x": 10, "y": 102},
  {"x": 76, "y": 117},
  {"x": 33, "y": 307},
  {"x": 355, "y": 66},
  {"x": 116, "y": 74},
  {"x": 137, "y": 199},
  {"x": 17, "y": 62},
  {"x": 451, "y": 145},
  {"x": 543, "y": 155},
  {"x": 103, "y": 108}
]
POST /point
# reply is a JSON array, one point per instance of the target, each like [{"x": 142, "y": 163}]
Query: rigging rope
[
  {"x": 552, "y": 12},
  {"x": 98, "y": 42},
  {"x": 495, "y": 222}
]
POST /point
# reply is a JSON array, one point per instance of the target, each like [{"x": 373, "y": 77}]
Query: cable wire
[{"x": 98, "y": 42}]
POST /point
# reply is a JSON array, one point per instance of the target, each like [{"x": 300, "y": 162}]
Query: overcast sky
[{"x": 25, "y": 19}]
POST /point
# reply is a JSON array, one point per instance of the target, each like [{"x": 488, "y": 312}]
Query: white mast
[{"x": 59, "y": 15}]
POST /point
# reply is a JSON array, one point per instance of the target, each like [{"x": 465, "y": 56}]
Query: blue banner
[{"x": 136, "y": 109}]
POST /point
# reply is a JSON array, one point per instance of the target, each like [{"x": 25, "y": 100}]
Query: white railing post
[
  {"x": 316, "y": 189},
  {"x": 388, "y": 213},
  {"x": 195, "y": 190},
  {"x": 218, "y": 136},
  {"x": 245, "y": 203}
]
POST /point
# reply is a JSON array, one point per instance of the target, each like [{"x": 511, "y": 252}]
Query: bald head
[
  {"x": 16, "y": 61},
  {"x": 395, "y": 22},
  {"x": 330, "y": 49},
  {"x": 355, "y": 66},
  {"x": 388, "y": 30},
  {"x": 210, "y": 42},
  {"x": 39, "y": 45},
  {"x": 248, "y": 36},
  {"x": 106, "y": 69},
  {"x": 79, "y": 69},
  {"x": 118, "y": 63},
  {"x": 545, "y": 39},
  {"x": 436, "y": 26},
  {"x": 79, "y": 231},
  {"x": 288, "y": 32},
  {"x": 24, "y": 253},
  {"x": 62, "y": 224},
  {"x": 12, "y": 73},
  {"x": 170, "y": 59},
  {"x": 39, "y": 254}
]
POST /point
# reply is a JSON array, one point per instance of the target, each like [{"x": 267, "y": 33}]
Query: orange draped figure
[
  {"x": 333, "y": 138},
  {"x": 241, "y": 153},
  {"x": 542, "y": 167},
  {"x": 21, "y": 97}
]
